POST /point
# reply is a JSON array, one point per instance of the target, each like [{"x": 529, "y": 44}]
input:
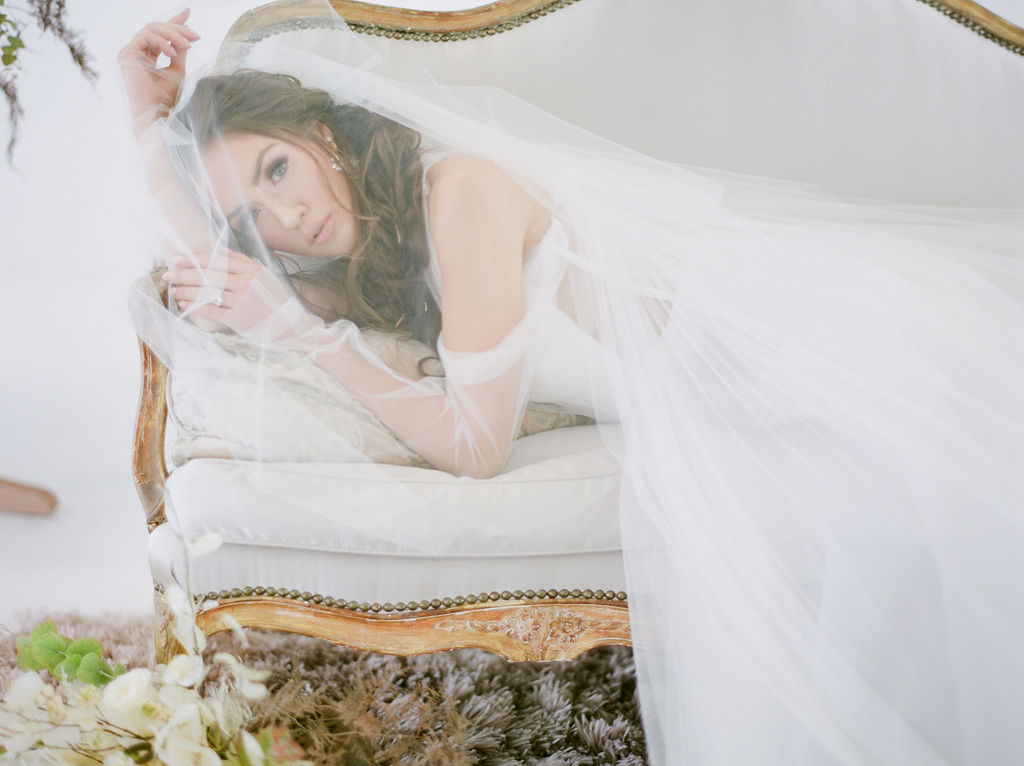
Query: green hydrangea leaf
[
  {"x": 86, "y": 646},
  {"x": 43, "y": 628},
  {"x": 68, "y": 669},
  {"x": 106, "y": 670},
  {"x": 26, "y": 659},
  {"x": 89, "y": 670},
  {"x": 49, "y": 649}
]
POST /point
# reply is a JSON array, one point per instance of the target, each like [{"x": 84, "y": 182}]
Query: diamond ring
[{"x": 219, "y": 300}]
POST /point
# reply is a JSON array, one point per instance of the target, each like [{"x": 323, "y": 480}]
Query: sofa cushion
[{"x": 383, "y": 532}]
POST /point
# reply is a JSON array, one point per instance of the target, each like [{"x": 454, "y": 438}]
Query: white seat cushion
[{"x": 378, "y": 533}]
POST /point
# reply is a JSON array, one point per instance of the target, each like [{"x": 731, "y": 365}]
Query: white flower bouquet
[{"x": 89, "y": 712}]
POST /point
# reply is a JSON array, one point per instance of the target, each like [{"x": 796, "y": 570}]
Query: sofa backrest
[{"x": 874, "y": 98}]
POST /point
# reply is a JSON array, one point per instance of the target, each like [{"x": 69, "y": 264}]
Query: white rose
[{"x": 128, "y": 702}]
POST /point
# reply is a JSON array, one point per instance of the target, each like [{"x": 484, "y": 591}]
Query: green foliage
[
  {"x": 10, "y": 38},
  {"x": 66, "y": 659},
  {"x": 140, "y": 752}
]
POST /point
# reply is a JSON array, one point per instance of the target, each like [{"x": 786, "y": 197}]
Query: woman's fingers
[
  {"x": 172, "y": 42},
  {"x": 158, "y": 37},
  {"x": 209, "y": 277},
  {"x": 192, "y": 277},
  {"x": 226, "y": 288},
  {"x": 228, "y": 261},
  {"x": 217, "y": 297},
  {"x": 180, "y": 17}
]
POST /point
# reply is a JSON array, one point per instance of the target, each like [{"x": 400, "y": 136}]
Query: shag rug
[{"x": 452, "y": 708}]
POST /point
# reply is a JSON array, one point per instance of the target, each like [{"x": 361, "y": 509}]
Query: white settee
[{"x": 879, "y": 98}]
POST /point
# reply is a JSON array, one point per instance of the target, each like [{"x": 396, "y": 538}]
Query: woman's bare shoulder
[
  {"x": 471, "y": 191},
  {"x": 464, "y": 169}
]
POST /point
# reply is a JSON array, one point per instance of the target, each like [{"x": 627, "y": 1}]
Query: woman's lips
[{"x": 323, "y": 232}]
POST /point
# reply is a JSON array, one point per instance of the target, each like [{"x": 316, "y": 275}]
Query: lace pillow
[{"x": 257, "y": 404}]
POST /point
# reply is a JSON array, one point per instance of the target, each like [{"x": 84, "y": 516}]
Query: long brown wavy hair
[{"x": 381, "y": 285}]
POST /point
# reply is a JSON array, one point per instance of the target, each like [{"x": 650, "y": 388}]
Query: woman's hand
[
  {"x": 229, "y": 290},
  {"x": 152, "y": 91}
]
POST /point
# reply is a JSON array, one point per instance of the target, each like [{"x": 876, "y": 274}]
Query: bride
[{"x": 820, "y": 402}]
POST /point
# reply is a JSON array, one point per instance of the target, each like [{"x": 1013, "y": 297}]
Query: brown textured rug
[{"x": 461, "y": 707}]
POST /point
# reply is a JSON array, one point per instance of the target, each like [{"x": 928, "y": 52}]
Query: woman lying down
[{"x": 820, "y": 402}]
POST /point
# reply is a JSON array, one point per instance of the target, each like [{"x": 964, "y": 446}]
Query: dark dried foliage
[{"x": 50, "y": 17}]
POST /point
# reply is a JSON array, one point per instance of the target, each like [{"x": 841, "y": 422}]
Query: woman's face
[{"x": 298, "y": 203}]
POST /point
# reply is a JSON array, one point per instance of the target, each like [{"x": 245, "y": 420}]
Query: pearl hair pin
[{"x": 336, "y": 162}]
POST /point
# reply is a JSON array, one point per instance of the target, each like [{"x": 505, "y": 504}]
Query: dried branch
[{"x": 49, "y": 16}]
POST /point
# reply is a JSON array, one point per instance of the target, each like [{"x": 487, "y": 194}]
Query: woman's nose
[{"x": 289, "y": 213}]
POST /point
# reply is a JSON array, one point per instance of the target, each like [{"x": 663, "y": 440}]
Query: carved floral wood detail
[
  {"x": 544, "y": 632},
  {"x": 555, "y": 629}
]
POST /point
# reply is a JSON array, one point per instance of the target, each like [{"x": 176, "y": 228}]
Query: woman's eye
[{"x": 277, "y": 170}]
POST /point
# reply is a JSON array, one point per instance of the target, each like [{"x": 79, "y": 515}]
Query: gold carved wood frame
[
  {"x": 386, "y": 21},
  {"x": 504, "y": 15}
]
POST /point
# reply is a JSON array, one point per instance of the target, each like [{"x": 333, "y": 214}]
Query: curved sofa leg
[{"x": 167, "y": 646}]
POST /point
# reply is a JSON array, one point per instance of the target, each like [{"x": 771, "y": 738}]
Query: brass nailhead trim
[
  {"x": 396, "y": 33},
  {"x": 974, "y": 26},
  {"x": 411, "y": 606}
]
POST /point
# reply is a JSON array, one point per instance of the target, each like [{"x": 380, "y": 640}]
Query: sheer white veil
[{"x": 822, "y": 412}]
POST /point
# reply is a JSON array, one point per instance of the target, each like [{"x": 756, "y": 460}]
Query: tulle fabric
[{"x": 822, "y": 413}]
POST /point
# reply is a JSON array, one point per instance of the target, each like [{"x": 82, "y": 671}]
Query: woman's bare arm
[{"x": 152, "y": 92}]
